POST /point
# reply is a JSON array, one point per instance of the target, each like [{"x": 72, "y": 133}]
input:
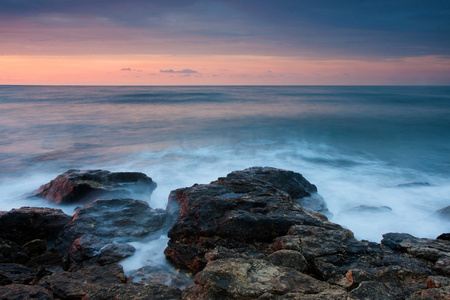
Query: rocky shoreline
[{"x": 259, "y": 233}]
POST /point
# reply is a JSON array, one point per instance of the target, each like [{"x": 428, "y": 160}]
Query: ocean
[{"x": 360, "y": 145}]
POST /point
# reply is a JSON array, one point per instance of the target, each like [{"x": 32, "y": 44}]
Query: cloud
[
  {"x": 130, "y": 69},
  {"x": 184, "y": 71}
]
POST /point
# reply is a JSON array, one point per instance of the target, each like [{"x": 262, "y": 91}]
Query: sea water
[{"x": 360, "y": 145}]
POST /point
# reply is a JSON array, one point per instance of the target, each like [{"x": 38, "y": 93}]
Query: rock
[
  {"x": 136, "y": 291},
  {"x": 90, "y": 249},
  {"x": 316, "y": 203},
  {"x": 235, "y": 278},
  {"x": 226, "y": 212},
  {"x": 161, "y": 275},
  {"x": 87, "y": 185},
  {"x": 362, "y": 209},
  {"x": 35, "y": 247},
  {"x": 99, "y": 231},
  {"x": 242, "y": 233},
  {"x": 444, "y": 236},
  {"x": 427, "y": 249},
  {"x": 76, "y": 285},
  {"x": 443, "y": 213},
  {"x": 29, "y": 223},
  {"x": 10, "y": 252},
  {"x": 18, "y": 273},
  {"x": 20, "y": 291}
]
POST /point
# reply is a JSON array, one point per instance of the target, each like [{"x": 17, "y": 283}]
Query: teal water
[{"x": 377, "y": 145}]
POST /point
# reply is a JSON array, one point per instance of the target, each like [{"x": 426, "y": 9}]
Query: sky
[{"x": 225, "y": 42}]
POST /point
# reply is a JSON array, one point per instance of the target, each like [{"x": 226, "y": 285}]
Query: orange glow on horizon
[{"x": 217, "y": 70}]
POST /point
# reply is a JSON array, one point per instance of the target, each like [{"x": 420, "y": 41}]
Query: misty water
[{"x": 375, "y": 146}]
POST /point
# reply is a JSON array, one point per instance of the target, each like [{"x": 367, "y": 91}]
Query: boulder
[
  {"x": 87, "y": 185},
  {"x": 11, "y": 252},
  {"x": 29, "y": 223},
  {"x": 136, "y": 291},
  {"x": 236, "y": 278},
  {"x": 21, "y": 291},
  {"x": 226, "y": 212},
  {"x": 76, "y": 285}
]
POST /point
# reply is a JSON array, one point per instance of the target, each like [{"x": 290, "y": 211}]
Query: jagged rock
[
  {"x": 11, "y": 252},
  {"x": 29, "y": 223},
  {"x": 243, "y": 225},
  {"x": 76, "y": 285},
  {"x": 136, "y": 291},
  {"x": 21, "y": 291},
  {"x": 236, "y": 278},
  {"x": 21, "y": 274},
  {"x": 161, "y": 275},
  {"x": 226, "y": 213},
  {"x": 427, "y": 249},
  {"x": 87, "y": 185}
]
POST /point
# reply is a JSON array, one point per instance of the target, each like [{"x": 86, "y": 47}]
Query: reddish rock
[{"x": 87, "y": 185}]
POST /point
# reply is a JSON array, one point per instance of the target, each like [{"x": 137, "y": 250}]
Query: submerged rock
[
  {"x": 87, "y": 185},
  {"x": 443, "y": 213},
  {"x": 99, "y": 231}
]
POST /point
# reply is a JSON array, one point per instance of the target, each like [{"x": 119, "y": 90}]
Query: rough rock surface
[
  {"x": 29, "y": 223},
  {"x": 226, "y": 213},
  {"x": 87, "y": 185},
  {"x": 98, "y": 232},
  {"x": 21, "y": 291},
  {"x": 247, "y": 237}
]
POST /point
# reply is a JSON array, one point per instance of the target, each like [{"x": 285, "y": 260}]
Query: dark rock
[
  {"x": 10, "y": 252},
  {"x": 35, "y": 247},
  {"x": 316, "y": 203},
  {"x": 161, "y": 275},
  {"x": 90, "y": 249},
  {"x": 236, "y": 278},
  {"x": 443, "y": 213},
  {"x": 226, "y": 212},
  {"x": 444, "y": 236},
  {"x": 29, "y": 223},
  {"x": 49, "y": 260},
  {"x": 76, "y": 285},
  {"x": 88, "y": 185},
  {"x": 241, "y": 232},
  {"x": 136, "y": 291},
  {"x": 18, "y": 273},
  {"x": 427, "y": 249},
  {"x": 20, "y": 292}
]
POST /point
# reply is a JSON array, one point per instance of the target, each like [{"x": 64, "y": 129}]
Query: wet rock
[
  {"x": 443, "y": 213},
  {"x": 226, "y": 212},
  {"x": 76, "y": 285},
  {"x": 136, "y": 291},
  {"x": 316, "y": 203},
  {"x": 101, "y": 229},
  {"x": 87, "y": 185},
  {"x": 235, "y": 278},
  {"x": 161, "y": 275},
  {"x": 20, "y": 291},
  {"x": 29, "y": 223}
]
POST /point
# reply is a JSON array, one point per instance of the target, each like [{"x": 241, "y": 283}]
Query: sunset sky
[{"x": 221, "y": 42}]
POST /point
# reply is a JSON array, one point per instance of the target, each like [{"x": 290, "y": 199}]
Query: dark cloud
[
  {"x": 184, "y": 71},
  {"x": 380, "y": 29}
]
